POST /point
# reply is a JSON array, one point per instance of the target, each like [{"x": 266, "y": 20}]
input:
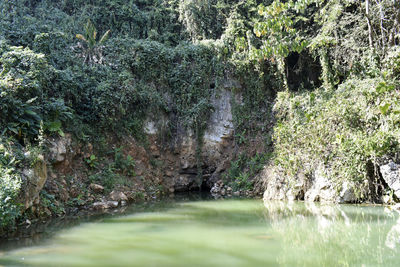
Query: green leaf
[
  {"x": 308, "y": 116},
  {"x": 384, "y": 87},
  {"x": 312, "y": 97},
  {"x": 384, "y": 108},
  {"x": 61, "y": 133},
  {"x": 53, "y": 126},
  {"x": 12, "y": 129},
  {"x": 105, "y": 37},
  {"x": 31, "y": 100},
  {"x": 30, "y": 112}
]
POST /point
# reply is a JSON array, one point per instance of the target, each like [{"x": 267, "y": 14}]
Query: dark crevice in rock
[
  {"x": 303, "y": 71},
  {"x": 377, "y": 184},
  {"x": 204, "y": 186}
]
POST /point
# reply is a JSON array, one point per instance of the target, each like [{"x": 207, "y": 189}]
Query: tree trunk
[
  {"x": 369, "y": 24},
  {"x": 382, "y": 17},
  {"x": 282, "y": 70}
]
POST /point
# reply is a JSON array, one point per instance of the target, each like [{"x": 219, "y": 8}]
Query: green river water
[{"x": 234, "y": 232}]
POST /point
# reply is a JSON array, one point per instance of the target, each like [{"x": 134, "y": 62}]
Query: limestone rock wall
[
  {"x": 391, "y": 175},
  {"x": 170, "y": 166},
  {"x": 181, "y": 162},
  {"x": 311, "y": 188},
  {"x": 34, "y": 178}
]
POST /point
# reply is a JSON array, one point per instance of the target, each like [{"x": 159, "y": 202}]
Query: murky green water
[{"x": 224, "y": 233}]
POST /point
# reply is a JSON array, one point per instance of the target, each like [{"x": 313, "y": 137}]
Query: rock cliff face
[
  {"x": 315, "y": 187},
  {"x": 391, "y": 175},
  {"x": 168, "y": 166},
  {"x": 174, "y": 166},
  {"x": 33, "y": 179},
  {"x": 182, "y": 160}
]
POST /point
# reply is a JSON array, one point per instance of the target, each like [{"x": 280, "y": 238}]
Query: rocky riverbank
[{"x": 70, "y": 175}]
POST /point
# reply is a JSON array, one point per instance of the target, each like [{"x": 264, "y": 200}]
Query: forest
[{"x": 319, "y": 86}]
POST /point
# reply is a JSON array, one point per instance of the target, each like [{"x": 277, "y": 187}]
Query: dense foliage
[
  {"x": 91, "y": 67},
  {"x": 95, "y": 67},
  {"x": 347, "y": 130},
  {"x": 10, "y": 184},
  {"x": 350, "y": 124}
]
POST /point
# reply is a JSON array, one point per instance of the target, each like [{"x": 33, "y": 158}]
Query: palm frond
[{"x": 104, "y": 37}]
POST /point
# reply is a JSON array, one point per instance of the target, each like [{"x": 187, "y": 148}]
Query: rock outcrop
[
  {"x": 58, "y": 148},
  {"x": 181, "y": 159},
  {"x": 33, "y": 179},
  {"x": 391, "y": 175},
  {"x": 315, "y": 187},
  {"x": 118, "y": 196},
  {"x": 275, "y": 184},
  {"x": 169, "y": 165}
]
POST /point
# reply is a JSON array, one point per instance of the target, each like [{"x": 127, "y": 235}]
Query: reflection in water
[
  {"x": 224, "y": 233},
  {"x": 393, "y": 237},
  {"x": 333, "y": 235}
]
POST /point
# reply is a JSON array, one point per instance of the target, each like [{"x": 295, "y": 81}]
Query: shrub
[
  {"x": 10, "y": 184},
  {"x": 108, "y": 178},
  {"x": 344, "y": 129},
  {"x": 25, "y": 97},
  {"x": 241, "y": 173}
]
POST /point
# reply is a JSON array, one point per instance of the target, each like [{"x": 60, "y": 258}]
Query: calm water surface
[{"x": 221, "y": 233}]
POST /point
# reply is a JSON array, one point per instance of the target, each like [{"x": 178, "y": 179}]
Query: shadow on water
[
  {"x": 194, "y": 213},
  {"x": 39, "y": 232}
]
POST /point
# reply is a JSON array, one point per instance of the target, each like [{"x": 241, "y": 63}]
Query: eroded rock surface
[
  {"x": 118, "y": 196},
  {"x": 317, "y": 187},
  {"x": 33, "y": 179},
  {"x": 391, "y": 174},
  {"x": 181, "y": 158},
  {"x": 322, "y": 189},
  {"x": 58, "y": 148},
  {"x": 275, "y": 184}
]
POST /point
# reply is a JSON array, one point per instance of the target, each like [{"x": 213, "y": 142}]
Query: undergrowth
[{"x": 343, "y": 129}]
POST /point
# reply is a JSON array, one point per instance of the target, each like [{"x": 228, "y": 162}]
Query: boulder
[
  {"x": 96, "y": 188},
  {"x": 216, "y": 188},
  {"x": 103, "y": 205},
  {"x": 112, "y": 204},
  {"x": 347, "y": 194},
  {"x": 100, "y": 205},
  {"x": 118, "y": 196},
  {"x": 58, "y": 148},
  {"x": 276, "y": 186},
  {"x": 322, "y": 188},
  {"x": 391, "y": 174},
  {"x": 223, "y": 192}
]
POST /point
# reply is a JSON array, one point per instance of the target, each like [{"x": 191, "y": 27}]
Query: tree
[
  {"x": 93, "y": 50},
  {"x": 278, "y": 32}
]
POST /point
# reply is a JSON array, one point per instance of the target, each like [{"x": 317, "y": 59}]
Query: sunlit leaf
[{"x": 384, "y": 108}]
